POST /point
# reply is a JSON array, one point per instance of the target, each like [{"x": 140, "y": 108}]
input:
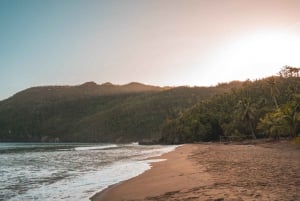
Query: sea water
[{"x": 75, "y": 172}]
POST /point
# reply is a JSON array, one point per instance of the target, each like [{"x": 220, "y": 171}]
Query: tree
[
  {"x": 274, "y": 90},
  {"x": 246, "y": 112},
  {"x": 291, "y": 115},
  {"x": 282, "y": 121},
  {"x": 288, "y": 71},
  {"x": 270, "y": 124}
]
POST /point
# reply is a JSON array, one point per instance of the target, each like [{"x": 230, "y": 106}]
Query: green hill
[
  {"x": 135, "y": 112},
  {"x": 264, "y": 108},
  {"x": 96, "y": 113}
]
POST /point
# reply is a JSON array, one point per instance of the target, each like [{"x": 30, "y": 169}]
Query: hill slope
[
  {"x": 263, "y": 108},
  {"x": 96, "y": 113}
]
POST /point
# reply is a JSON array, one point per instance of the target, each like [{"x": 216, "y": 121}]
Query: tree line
[
  {"x": 90, "y": 113},
  {"x": 268, "y": 107}
]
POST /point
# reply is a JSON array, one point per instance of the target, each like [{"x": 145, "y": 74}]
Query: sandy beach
[{"x": 216, "y": 172}]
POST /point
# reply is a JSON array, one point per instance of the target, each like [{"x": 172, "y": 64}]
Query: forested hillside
[
  {"x": 89, "y": 112},
  {"x": 96, "y": 113},
  {"x": 264, "y": 108}
]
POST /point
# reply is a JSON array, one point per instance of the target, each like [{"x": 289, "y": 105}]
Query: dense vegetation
[
  {"x": 263, "y": 108},
  {"x": 121, "y": 113},
  {"x": 95, "y": 113}
]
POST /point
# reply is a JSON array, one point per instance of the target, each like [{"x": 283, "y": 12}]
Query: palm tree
[
  {"x": 290, "y": 117},
  {"x": 246, "y": 112},
  {"x": 271, "y": 124},
  {"x": 274, "y": 90},
  {"x": 289, "y": 71},
  {"x": 286, "y": 119}
]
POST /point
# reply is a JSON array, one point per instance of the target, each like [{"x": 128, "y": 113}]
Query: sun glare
[
  {"x": 268, "y": 46},
  {"x": 263, "y": 52}
]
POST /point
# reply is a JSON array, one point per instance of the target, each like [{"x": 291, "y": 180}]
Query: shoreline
[
  {"x": 101, "y": 193},
  {"x": 176, "y": 161},
  {"x": 211, "y": 172},
  {"x": 149, "y": 161}
]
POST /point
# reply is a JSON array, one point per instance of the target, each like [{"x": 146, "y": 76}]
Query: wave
[
  {"x": 96, "y": 147},
  {"x": 63, "y": 174}
]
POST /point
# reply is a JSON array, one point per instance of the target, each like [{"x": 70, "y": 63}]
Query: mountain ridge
[
  {"x": 95, "y": 113},
  {"x": 54, "y": 92}
]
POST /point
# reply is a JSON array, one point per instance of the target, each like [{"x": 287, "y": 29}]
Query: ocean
[{"x": 69, "y": 171}]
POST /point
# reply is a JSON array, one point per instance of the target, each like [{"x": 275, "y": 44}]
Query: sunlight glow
[
  {"x": 264, "y": 47},
  {"x": 264, "y": 52}
]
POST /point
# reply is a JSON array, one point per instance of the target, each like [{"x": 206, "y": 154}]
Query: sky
[{"x": 157, "y": 42}]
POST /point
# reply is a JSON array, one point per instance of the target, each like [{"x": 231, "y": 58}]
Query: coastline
[
  {"x": 211, "y": 172},
  {"x": 170, "y": 175}
]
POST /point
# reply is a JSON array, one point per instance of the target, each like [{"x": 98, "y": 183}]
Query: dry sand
[{"x": 215, "y": 172}]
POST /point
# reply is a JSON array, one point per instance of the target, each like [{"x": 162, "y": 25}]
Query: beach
[
  {"x": 69, "y": 171},
  {"x": 216, "y": 172}
]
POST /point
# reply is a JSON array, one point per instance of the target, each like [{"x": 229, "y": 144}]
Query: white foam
[
  {"x": 81, "y": 173},
  {"x": 95, "y": 147},
  {"x": 80, "y": 188}
]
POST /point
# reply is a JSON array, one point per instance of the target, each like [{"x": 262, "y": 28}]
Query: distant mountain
[
  {"x": 88, "y": 89},
  {"x": 96, "y": 113}
]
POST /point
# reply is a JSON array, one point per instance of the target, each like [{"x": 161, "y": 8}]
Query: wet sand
[{"x": 216, "y": 172}]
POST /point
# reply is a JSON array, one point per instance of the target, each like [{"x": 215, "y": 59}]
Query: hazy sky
[{"x": 158, "y": 42}]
